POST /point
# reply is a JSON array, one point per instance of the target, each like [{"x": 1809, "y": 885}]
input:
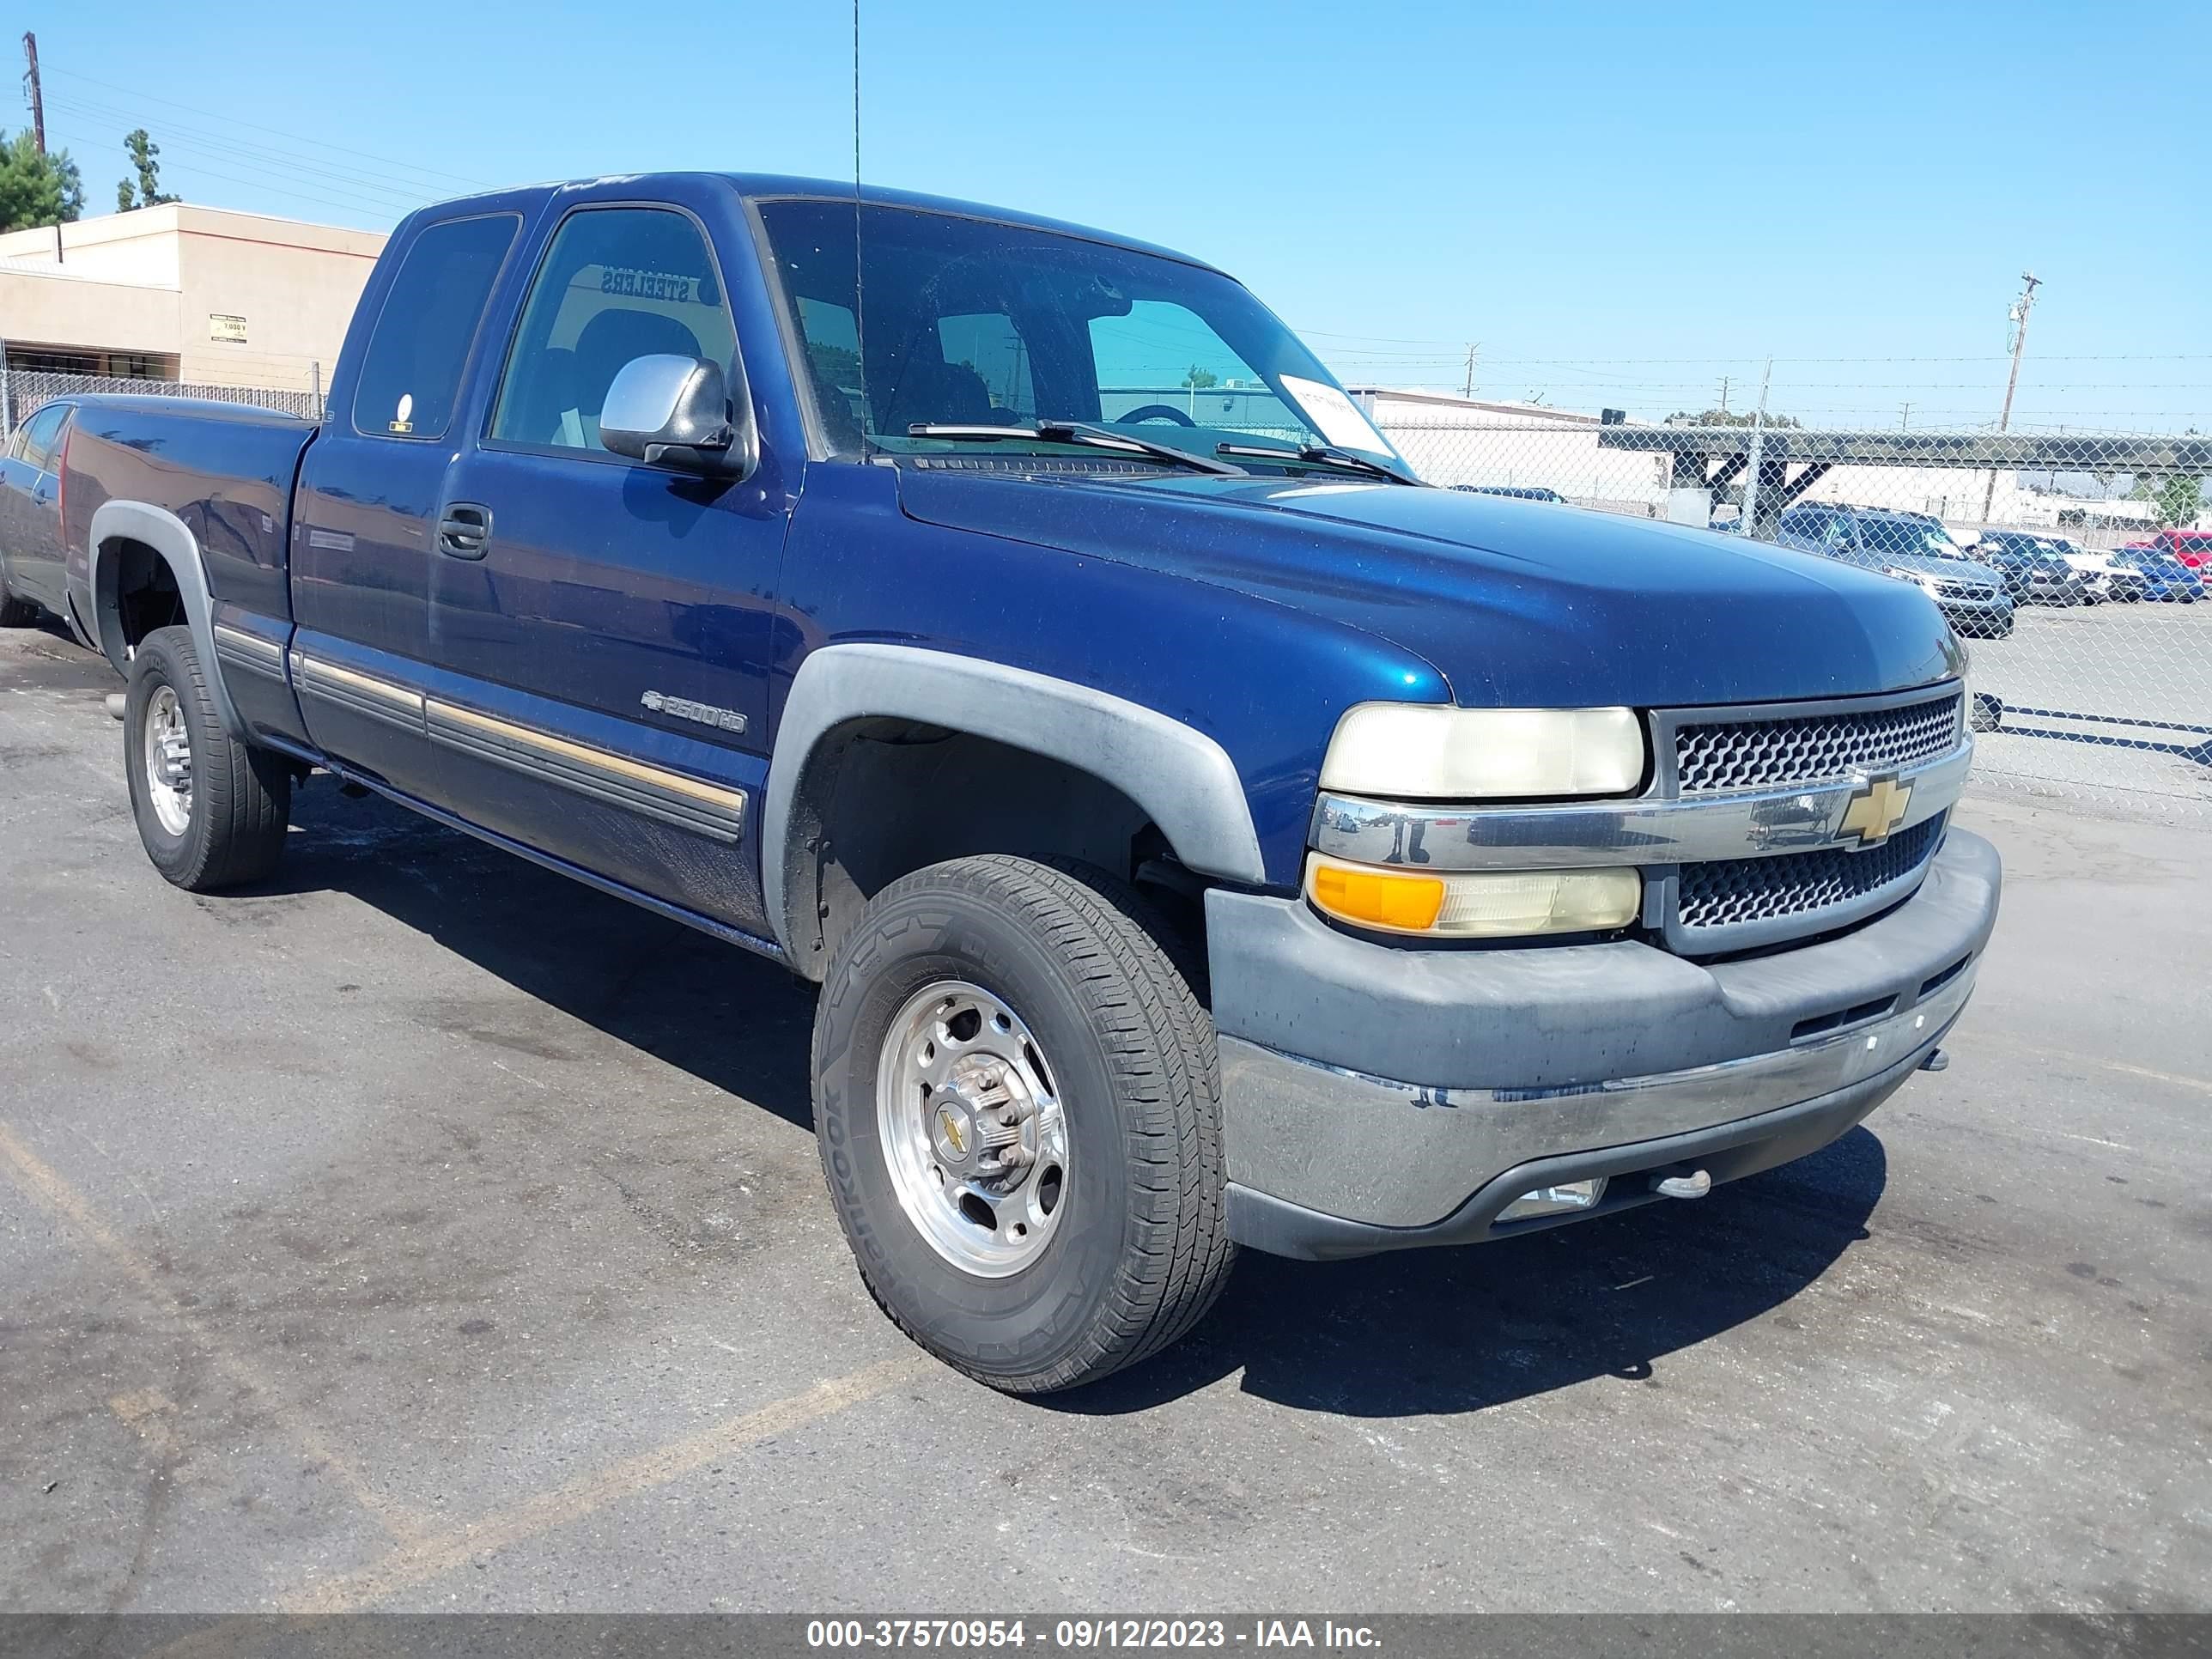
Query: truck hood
[{"x": 1516, "y": 603}]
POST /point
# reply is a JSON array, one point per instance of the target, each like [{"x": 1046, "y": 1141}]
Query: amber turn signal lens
[
  {"x": 1476, "y": 904},
  {"x": 1378, "y": 898}
]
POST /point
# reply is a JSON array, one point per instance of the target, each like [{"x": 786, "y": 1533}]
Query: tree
[
  {"x": 1198, "y": 379},
  {"x": 2176, "y": 498},
  {"x": 144, "y": 156},
  {"x": 37, "y": 190},
  {"x": 1727, "y": 418}
]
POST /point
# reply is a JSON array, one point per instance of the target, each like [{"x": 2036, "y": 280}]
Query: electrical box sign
[{"x": 231, "y": 328}]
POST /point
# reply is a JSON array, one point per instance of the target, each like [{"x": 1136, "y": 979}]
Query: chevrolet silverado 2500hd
[{"x": 1201, "y": 831}]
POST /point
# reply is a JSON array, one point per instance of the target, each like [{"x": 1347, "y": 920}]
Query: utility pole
[
  {"x": 2020, "y": 307},
  {"x": 1724, "y": 386},
  {"x": 1468, "y": 390},
  {"x": 38, "y": 99},
  {"x": 1747, "y": 524},
  {"x": 1905, "y": 418}
]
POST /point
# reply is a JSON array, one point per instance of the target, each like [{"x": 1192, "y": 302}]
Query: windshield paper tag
[{"x": 1337, "y": 416}]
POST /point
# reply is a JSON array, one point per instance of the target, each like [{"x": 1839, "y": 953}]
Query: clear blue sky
[{"x": 1620, "y": 203}]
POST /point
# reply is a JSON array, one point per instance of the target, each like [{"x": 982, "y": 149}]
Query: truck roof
[{"x": 764, "y": 186}]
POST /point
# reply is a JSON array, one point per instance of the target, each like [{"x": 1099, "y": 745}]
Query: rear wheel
[
  {"x": 1016, "y": 1101},
  {"x": 14, "y": 612},
  {"x": 212, "y": 811}
]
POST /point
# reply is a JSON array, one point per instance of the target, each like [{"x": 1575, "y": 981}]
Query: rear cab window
[{"x": 410, "y": 375}]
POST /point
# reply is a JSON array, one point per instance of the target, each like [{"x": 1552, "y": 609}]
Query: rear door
[
  {"x": 603, "y": 626},
  {"x": 364, "y": 513}
]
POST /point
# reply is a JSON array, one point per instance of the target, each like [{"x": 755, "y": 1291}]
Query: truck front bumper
[{"x": 1377, "y": 1097}]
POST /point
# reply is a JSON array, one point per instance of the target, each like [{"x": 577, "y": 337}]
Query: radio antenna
[{"x": 860, "y": 311}]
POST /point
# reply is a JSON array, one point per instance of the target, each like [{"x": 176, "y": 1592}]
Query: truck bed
[{"x": 226, "y": 470}]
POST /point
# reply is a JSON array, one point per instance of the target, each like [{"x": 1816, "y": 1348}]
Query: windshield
[
  {"x": 971, "y": 323},
  {"x": 1908, "y": 536}
]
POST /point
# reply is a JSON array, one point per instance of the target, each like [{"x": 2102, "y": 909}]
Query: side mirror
[{"x": 678, "y": 413}]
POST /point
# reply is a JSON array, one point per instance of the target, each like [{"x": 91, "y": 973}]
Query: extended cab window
[
  {"x": 38, "y": 436},
  {"x": 420, "y": 347},
  {"x": 618, "y": 283}
]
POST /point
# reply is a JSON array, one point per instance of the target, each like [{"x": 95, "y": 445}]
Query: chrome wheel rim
[
  {"x": 168, "y": 762},
  {"x": 972, "y": 1129}
]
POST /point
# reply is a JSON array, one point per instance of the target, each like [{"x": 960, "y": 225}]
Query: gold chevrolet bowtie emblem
[
  {"x": 952, "y": 1133},
  {"x": 1877, "y": 808}
]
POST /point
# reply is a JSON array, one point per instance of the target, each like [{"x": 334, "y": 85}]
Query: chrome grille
[
  {"x": 1733, "y": 893},
  {"x": 1755, "y": 754},
  {"x": 1950, "y": 590}
]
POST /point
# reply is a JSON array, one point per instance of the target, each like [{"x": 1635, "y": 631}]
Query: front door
[{"x": 602, "y": 626}]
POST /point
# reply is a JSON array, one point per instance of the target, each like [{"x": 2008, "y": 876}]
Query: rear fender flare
[
  {"x": 175, "y": 545},
  {"x": 1180, "y": 777}
]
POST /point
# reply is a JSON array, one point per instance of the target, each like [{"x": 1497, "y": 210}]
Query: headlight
[
  {"x": 1434, "y": 751},
  {"x": 1503, "y": 904},
  {"x": 1919, "y": 578}
]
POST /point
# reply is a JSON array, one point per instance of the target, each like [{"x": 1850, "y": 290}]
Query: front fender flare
[
  {"x": 176, "y": 546},
  {"x": 1182, "y": 779}
]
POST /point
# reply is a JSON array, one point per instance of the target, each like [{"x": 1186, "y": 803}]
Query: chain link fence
[
  {"x": 2077, "y": 566},
  {"x": 23, "y": 390}
]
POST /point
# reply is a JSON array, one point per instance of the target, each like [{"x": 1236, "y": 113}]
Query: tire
[
  {"x": 14, "y": 612},
  {"x": 236, "y": 800},
  {"x": 1135, "y": 1248}
]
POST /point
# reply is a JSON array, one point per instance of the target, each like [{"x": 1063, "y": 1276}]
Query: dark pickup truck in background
[{"x": 1200, "y": 836}]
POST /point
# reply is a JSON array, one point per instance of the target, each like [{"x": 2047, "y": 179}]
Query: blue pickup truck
[{"x": 1201, "y": 834}]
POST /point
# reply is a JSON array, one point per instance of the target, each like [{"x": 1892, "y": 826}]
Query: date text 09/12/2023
[{"x": 1085, "y": 1634}]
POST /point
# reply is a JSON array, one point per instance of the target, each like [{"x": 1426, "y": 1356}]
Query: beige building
[{"x": 183, "y": 293}]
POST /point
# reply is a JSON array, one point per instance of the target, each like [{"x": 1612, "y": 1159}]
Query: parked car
[
  {"x": 2109, "y": 579},
  {"x": 2164, "y": 577},
  {"x": 1537, "y": 865},
  {"x": 31, "y": 580},
  {"x": 2034, "y": 572},
  {"x": 1517, "y": 492},
  {"x": 2192, "y": 547},
  {"x": 1910, "y": 547}
]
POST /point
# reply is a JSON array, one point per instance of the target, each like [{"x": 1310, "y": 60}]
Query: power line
[
  {"x": 289, "y": 138},
  {"x": 326, "y": 199},
  {"x": 250, "y": 155}
]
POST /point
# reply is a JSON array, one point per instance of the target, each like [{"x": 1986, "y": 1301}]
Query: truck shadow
[
  {"x": 1424, "y": 1331},
  {"x": 1416, "y": 1332},
  {"x": 730, "y": 1019}
]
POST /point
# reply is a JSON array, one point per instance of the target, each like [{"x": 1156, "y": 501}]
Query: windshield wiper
[
  {"x": 1321, "y": 455},
  {"x": 1077, "y": 432}
]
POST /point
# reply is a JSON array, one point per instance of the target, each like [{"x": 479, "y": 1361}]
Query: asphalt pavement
[{"x": 425, "y": 1231}]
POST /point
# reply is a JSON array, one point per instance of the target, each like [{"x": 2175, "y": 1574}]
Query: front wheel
[
  {"x": 1015, "y": 1096},
  {"x": 212, "y": 811}
]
